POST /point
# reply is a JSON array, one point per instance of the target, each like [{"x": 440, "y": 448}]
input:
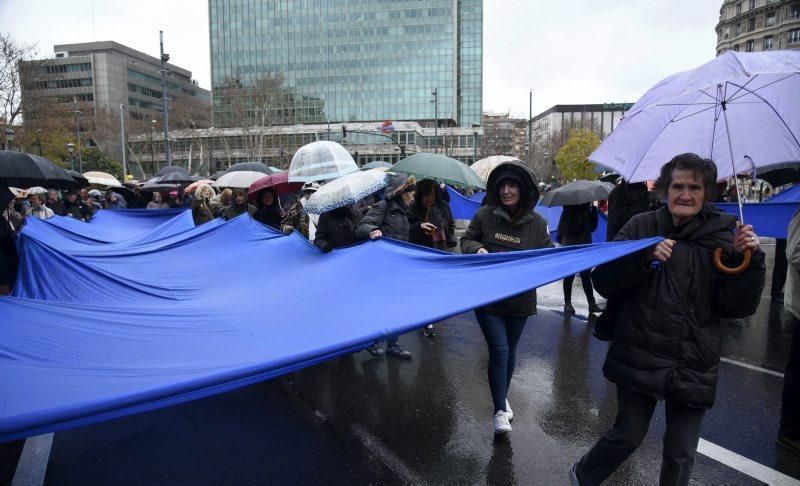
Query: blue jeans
[{"x": 502, "y": 334}]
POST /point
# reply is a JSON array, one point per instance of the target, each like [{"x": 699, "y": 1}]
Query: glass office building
[{"x": 348, "y": 60}]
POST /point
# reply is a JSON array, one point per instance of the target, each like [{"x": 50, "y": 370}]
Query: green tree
[
  {"x": 572, "y": 158},
  {"x": 95, "y": 159}
]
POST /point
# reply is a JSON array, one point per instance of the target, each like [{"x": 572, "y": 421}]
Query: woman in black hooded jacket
[{"x": 268, "y": 211}]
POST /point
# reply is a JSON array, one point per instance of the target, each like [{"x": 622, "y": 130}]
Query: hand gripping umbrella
[{"x": 741, "y": 110}]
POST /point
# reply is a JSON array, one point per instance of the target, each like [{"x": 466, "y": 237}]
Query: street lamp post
[
  {"x": 77, "y": 113},
  {"x": 70, "y": 149},
  {"x": 164, "y": 71},
  {"x": 39, "y": 140},
  {"x": 475, "y": 127},
  {"x": 435, "y": 102},
  {"x": 9, "y": 138},
  {"x": 124, "y": 149},
  {"x": 152, "y": 147}
]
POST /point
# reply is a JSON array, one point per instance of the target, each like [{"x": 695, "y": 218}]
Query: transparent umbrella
[
  {"x": 319, "y": 161},
  {"x": 348, "y": 189}
]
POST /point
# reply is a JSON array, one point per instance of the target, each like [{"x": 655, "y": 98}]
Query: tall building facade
[
  {"x": 758, "y": 25},
  {"x": 92, "y": 79},
  {"x": 335, "y": 61}
]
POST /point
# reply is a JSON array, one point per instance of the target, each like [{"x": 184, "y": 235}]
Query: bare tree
[{"x": 12, "y": 53}]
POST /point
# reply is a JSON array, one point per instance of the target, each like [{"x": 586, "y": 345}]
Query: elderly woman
[
  {"x": 667, "y": 303},
  {"x": 506, "y": 222},
  {"x": 157, "y": 202}
]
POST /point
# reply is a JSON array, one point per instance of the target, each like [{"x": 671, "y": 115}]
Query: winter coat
[
  {"x": 57, "y": 207},
  {"x": 203, "y": 211},
  {"x": 296, "y": 219},
  {"x": 491, "y": 228},
  {"x": 792, "y": 287},
  {"x": 439, "y": 215},
  {"x": 42, "y": 213},
  {"x": 667, "y": 330},
  {"x": 9, "y": 260},
  {"x": 336, "y": 229},
  {"x": 155, "y": 205},
  {"x": 576, "y": 225},
  {"x": 390, "y": 215},
  {"x": 624, "y": 202},
  {"x": 236, "y": 209},
  {"x": 77, "y": 210}
]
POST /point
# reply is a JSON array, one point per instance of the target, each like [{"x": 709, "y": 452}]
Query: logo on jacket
[{"x": 508, "y": 238}]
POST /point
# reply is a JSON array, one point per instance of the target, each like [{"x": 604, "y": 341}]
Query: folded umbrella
[
  {"x": 578, "y": 192},
  {"x": 23, "y": 170},
  {"x": 278, "y": 182},
  {"x": 348, "y": 189},
  {"x": 439, "y": 168},
  {"x": 242, "y": 179},
  {"x": 319, "y": 161}
]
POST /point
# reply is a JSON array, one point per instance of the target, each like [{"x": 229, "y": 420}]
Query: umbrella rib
[
  {"x": 693, "y": 114},
  {"x": 796, "y": 142},
  {"x": 760, "y": 88},
  {"x": 740, "y": 87}
]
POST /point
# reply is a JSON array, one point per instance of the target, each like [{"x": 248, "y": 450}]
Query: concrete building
[
  {"x": 551, "y": 128},
  {"x": 503, "y": 135},
  {"x": 758, "y": 25},
  {"x": 94, "y": 78}
]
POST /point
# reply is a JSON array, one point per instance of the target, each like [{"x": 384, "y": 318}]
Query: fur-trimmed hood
[{"x": 397, "y": 184}]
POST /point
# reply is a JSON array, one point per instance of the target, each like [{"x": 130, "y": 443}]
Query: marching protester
[
  {"x": 431, "y": 222},
  {"x": 506, "y": 222},
  {"x": 789, "y": 431},
  {"x": 625, "y": 201},
  {"x": 37, "y": 209},
  {"x": 157, "y": 202},
  {"x": 667, "y": 333},
  {"x": 268, "y": 209},
  {"x": 575, "y": 227},
  {"x": 238, "y": 205},
  {"x": 203, "y": 208},
  {"x": 54, "y": 203},
  {"x": 10, "y": 222},
  {"x": 297, "y": 218},
  {"x": 336, "y": 228},
  {"x": 389, "y": 218},
  {"x": 87, "y": 201},
  {"x": 75, "y": 208}
]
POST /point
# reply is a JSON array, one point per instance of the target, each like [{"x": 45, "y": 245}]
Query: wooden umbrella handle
[{"x": 728, "y": 270}]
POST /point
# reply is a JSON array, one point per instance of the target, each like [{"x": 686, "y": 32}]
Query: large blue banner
[
  {"x": 768, "y": 219},
  {"x": 102, "y": 330}
]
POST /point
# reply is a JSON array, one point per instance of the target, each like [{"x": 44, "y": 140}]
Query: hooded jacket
[
  {"x": 576, "y": 225},
  {"x": 390, "y": 215},
  {"x": 336, "y": 228},
  {"x": 268, "y": 215},
  {"x": 495, "y": 230},
  {"x": 667, "y": 330},
  {"x": 439, "y": 214}
]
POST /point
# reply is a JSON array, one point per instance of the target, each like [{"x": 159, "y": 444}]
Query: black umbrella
[
  {"x": 170, "y": 169},
  {"x": 217, "y": 175},
  {"x": 79, "y": 178},
  {"x": 6, "y": 196},
  {"x": 251, "y": 166},
  {"x": 18, "y": 169},
  {"x": 177, "y": 178},
  {"x": 578, "y": 192},
  {"x": 612, "y": 177},
  {"x": 780, "y": 175}
]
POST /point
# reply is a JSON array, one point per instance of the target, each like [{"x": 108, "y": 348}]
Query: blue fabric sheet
[
  {"x": 96, "y": 331},
  {"x": 768, "y": 219},
  {"x": 791, "y": 194}
]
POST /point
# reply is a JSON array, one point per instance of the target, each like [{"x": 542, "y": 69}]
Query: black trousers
[
  {"x": 780, "y": 268},
  {"x": 790, "y": 406},
  {"x": 588, "y": 289},
  {"x": 634, "y": 412}
]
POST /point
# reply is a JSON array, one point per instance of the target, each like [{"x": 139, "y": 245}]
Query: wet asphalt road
[{"x": 362, "y": 420}]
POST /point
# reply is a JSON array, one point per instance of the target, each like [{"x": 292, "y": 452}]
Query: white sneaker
[
  {"x": 509, "y": 412},
  {"x": 501, "y": 423}
]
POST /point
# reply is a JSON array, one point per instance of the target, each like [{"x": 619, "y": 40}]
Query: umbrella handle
[{"x": 728, "y": 270}]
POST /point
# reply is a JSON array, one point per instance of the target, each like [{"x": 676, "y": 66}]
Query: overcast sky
[{"x": 566, "y": 51}]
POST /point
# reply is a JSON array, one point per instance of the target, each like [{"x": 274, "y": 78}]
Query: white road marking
[
  {"x": 745, "y": 465},
  {"x": 751, "y": 367},
  {"x": 32, "y": 464}
]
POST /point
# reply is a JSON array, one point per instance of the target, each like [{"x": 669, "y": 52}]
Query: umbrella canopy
[
  {"x": 6, "y": 196},
  {"x": 319, "y": 161},
  {"x": 216, "y": 175},
  {"x": 378, "y": 164},
  {"x": 241, "y": 179},
  {"x": 780, "y": 175},
  {"x": 348, "y": 189},
  {"x": 82, "y": 181},
  {"x": 194, "y": 185},
  {"x": 154, "y": 186},
  {"x": 177, "y": 178},
  {"x": 250, "y": 166},
  {"x": 278, "y": 182},
  {"x": 740, "y": 110},
  {"x": 24, "y": 170},
  {"x": 439, "y": 168},
  {"x": 578, "y": 192},
  {"x": 485, "y": 166},
  {"x": 170, "y": 169},
  {"x": 276, "y": 170},
  {"x": 102, "y": 179},
  {"x": 37, "y": 190}
]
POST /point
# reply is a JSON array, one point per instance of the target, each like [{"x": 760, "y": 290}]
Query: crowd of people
[{"x": 664, "y": 306}]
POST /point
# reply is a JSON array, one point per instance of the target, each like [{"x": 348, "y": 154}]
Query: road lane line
[
  {"x": 32, "y": 464},
  {"x": 386, "y": 455},
  {"x": 745, "y": 465},
  {"x": 751, "y": 367}
]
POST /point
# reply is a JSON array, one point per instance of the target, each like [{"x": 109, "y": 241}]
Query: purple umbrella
[{"x": 741, "y": 110}]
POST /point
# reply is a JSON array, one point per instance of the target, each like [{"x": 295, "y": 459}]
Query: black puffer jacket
[
  {"x": 336, "y": 228},
  {"x": 492, "y": 228},
  {"x": 667, "y": 331},
  {"x": 576, "y": 225},
  {"x": 626, "y": 201},
  {"x": 390, "y": 215}
]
